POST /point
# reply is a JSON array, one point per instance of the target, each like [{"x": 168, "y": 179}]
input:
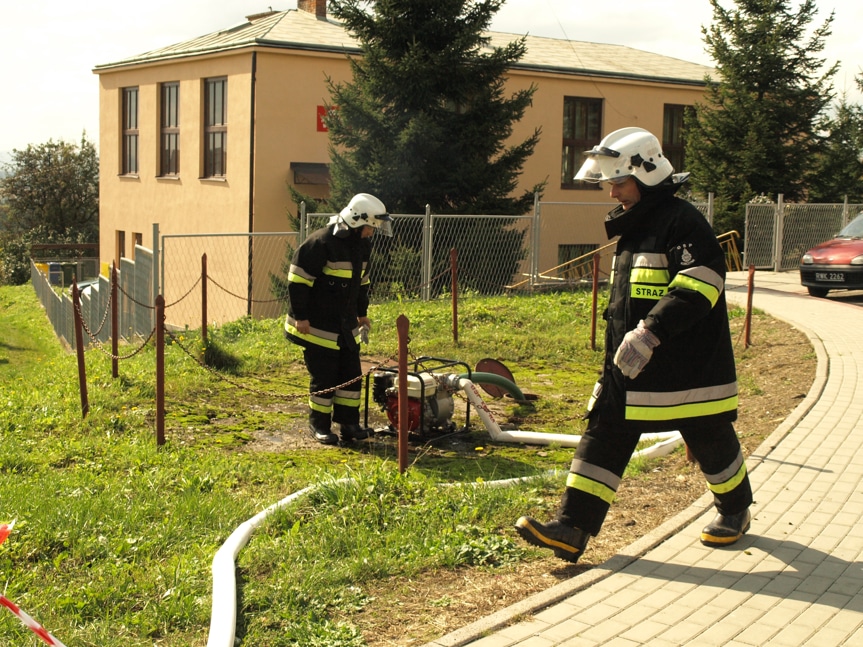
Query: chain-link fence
[
  {"x": 246, "y": 274},
  {"x": 218, "y": 278},
  {"x": 777, "y": 234},
  {"x": 240, "y": 274},
  {"x": 134, "y": 300},
  {"x": 415, "y": 262}
]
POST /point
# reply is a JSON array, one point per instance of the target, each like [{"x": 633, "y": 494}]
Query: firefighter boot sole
[
  {"x": 726, "y": 529},
  {"x": 567, "y": 543}
]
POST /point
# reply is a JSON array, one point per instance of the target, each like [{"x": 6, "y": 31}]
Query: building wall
[
  {"x": 625, "y": 103},
  {"x": 290, "y": 86},
  {"x": 183, "y": 204}
]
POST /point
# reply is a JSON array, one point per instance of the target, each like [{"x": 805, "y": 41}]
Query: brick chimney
[{"x": 317, "y": 7}]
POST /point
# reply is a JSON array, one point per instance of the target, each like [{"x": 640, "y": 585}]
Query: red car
[{"x": 835, "y": 264}]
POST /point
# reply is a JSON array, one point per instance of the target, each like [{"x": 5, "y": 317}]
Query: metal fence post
[
  {"x": 428, "y": 230},
  {"x": 710, "y": 209},
  {"x": 158, "y": 264},
  {"x": 304, "y": 223},
  {"x": 777, "y": 244},
  {"x": 534, "y": 248}
]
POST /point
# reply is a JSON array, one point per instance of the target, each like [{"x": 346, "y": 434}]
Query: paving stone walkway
[{"x": 795, "y": 579}]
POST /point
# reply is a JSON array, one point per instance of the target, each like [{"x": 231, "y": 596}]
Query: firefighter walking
[{"x": 669, "y": 362}]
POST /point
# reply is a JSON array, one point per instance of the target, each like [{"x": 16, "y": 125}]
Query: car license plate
[{"x": 838, "y": 277}]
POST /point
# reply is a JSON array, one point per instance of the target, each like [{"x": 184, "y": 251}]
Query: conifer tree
[
  {"x": 837, "y": 173},
  {"x": 425, "y": 119},
  {"x": 757, "y": 132}
]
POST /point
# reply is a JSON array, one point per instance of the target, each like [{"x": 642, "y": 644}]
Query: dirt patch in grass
[{"x": 775, "y": 374}]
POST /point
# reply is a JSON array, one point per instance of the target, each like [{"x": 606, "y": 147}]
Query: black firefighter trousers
[
  {"x": 603, "y": 454},
  {"x": 329, "y": 369}
]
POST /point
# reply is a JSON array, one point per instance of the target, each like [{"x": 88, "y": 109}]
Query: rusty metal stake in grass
[
  {"x": 79, "y": 348},
  {"x": 403, "y": 328},
  {"x": 204, "y": 300},
  {"x": 747, "y": 325},
  {"x": 115, "y": 326},
  {"x": 160, "y": 370},
  {"x": 594, "y": 297},
  {"x": 453, "y": 263}
]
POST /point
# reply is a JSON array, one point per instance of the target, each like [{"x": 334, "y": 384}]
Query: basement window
[{"x": 310, "y": 173}]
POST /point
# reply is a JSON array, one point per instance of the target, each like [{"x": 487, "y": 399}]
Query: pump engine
[{"x": 430, "y": 402}]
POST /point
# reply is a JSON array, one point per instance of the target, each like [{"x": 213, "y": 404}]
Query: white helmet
[
  {"x": 628, "y": 151},
  {"x": 364, "y": 209}
]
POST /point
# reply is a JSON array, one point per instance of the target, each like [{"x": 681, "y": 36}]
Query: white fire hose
[
  {"x": 223, "y": 618},
  {"x": 665, "y": 442}
]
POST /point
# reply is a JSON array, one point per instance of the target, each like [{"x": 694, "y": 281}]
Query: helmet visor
[
  {"x": 602, "y": 169},
  {"x": 383, "y": 225},
  {"x": 590, "y": 171}
]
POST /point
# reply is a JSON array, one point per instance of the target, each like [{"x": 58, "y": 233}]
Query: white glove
[{"x": 635, "y": 350}]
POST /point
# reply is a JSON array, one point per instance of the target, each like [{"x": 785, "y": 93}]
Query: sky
[{"x": 49, "y": 48}]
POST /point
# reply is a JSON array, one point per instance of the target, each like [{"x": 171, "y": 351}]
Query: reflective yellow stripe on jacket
[
  {"x": 703, "y": 280},
  {"x": 648, "y": 278},
  {"x": 297, "y": 274},
  {"x": 315, "y": 336},
  {"x": 343, "y": 269},
  {"x": 691, "y": 403}
]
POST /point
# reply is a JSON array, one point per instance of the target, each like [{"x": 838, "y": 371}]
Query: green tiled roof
[{"x": 294, "y": 29}]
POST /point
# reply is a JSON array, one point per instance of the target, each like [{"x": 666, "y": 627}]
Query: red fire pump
[{"x": 430, "y": 401}]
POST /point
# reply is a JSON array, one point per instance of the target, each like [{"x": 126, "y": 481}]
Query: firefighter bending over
[{"x": 328, "y": 287}]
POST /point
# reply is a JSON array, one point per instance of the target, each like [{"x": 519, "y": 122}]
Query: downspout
[{"x": 251, "y": 178}]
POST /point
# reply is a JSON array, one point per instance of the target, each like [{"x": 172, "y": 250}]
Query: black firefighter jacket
[
  {"x": 668, "y": 270},
  {"x": 328, "y": 284}
]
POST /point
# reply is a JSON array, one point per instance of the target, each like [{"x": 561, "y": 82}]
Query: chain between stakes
[
  {"x": 224, "y": 378},
  {"x": 194, "y": 285},
  {"x": 167, "y": 305},
  {"x": 133, "y": 300},
  {"x": 237, "y": 296},
  {"x": 98, "y": 344},
  {"x": 104, "y": 315}
]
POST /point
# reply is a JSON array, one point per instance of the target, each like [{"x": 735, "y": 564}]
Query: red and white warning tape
[{"x": 29, "y": 622}]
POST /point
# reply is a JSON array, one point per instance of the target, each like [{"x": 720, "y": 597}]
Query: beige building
[{"x": 204, "y": 136}]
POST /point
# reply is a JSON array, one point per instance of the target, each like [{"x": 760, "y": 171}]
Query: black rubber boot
[
  {"x": 354, "y": 432},
  {"x": 319, "y": 428},
  {"x": 725, "y": 529},
  {"x": 567, "y": 542}
]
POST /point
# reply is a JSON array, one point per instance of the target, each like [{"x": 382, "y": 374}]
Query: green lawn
[{"x": 114, "y": 536}]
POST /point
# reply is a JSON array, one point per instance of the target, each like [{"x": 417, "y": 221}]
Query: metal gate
[{"x": 777, "y": 234}]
